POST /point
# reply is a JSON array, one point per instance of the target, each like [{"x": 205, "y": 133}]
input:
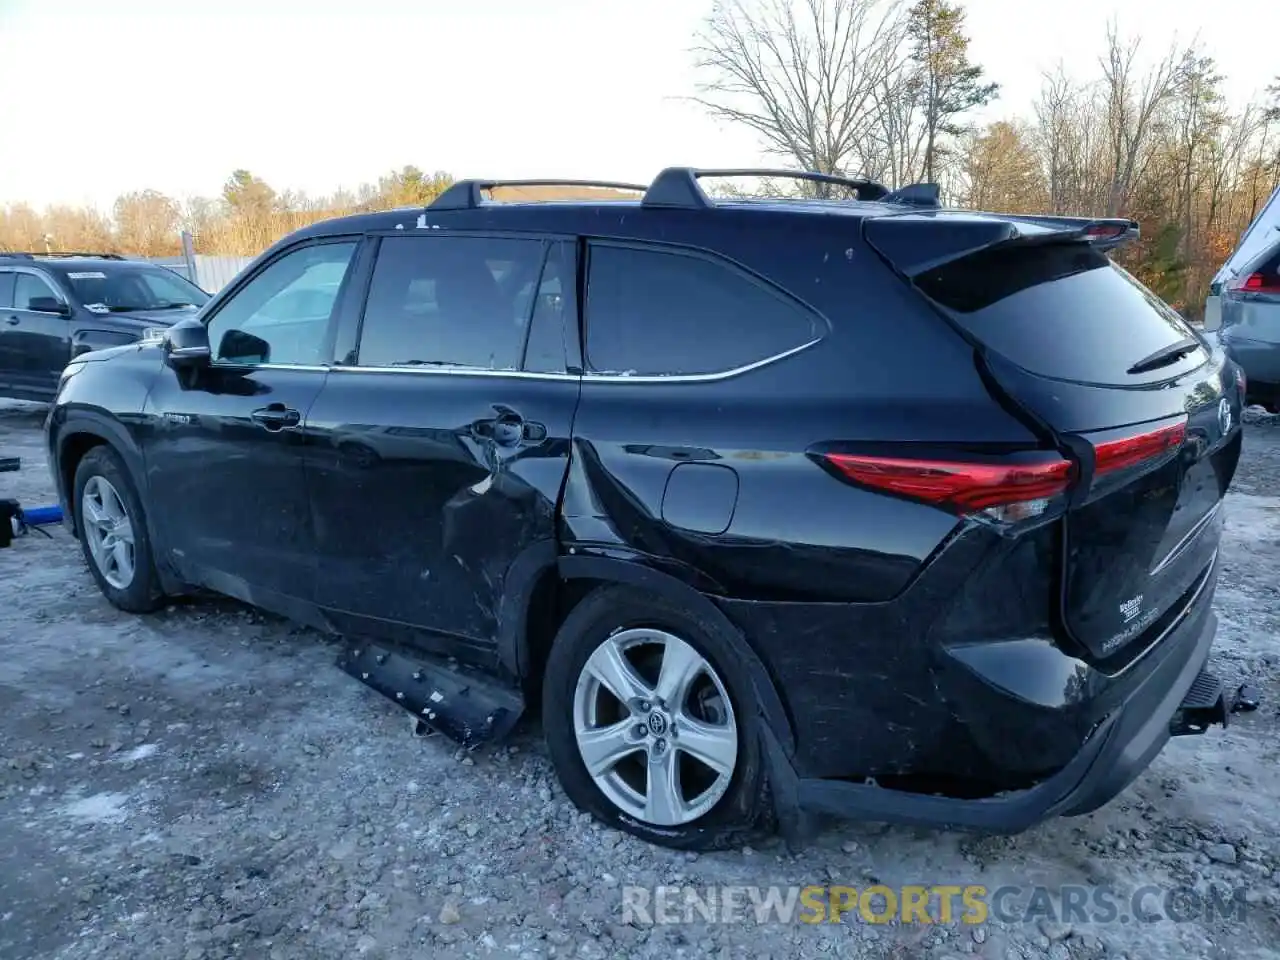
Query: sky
[{"x": 107, "y": 96}]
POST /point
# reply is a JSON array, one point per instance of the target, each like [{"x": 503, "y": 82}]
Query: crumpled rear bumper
[{"x": 1114, "y": 754}]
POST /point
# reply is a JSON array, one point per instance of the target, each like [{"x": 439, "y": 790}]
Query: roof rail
[
  {"x": 36, "y": 255},
  {"x": 678, "y": 186},
  {"x": 470, "y": 194}
]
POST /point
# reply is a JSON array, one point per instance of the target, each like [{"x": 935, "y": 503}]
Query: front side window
[
  {"x": 28, "y": 288},
  {"x": 125, "y": 289},
  {"x": 450, "y": 301},
  {"x": 654, "y": 312},
  {"x": 282, "y": 314}
]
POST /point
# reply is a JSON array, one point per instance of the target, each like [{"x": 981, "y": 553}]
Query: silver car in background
[{"x": 1244, "y": 306}]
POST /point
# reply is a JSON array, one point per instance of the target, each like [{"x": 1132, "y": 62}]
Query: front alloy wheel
[
  {"x": 111, "y": 524},
  {"x": 655, "y": 727},
  {"x": 108, "y": 532}
]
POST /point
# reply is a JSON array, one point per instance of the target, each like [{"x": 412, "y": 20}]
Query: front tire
[
  {"x": 651, "y": 724},
  {"x": 113, "y": 532}
]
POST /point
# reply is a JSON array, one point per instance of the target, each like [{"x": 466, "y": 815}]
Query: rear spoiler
[
  {"x": 916, "y": 242},
  {"x": 1104, "y": 234}
]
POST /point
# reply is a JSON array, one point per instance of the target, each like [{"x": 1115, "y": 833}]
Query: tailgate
[
  {"x": 1105, "y": 370},
  {"x": 1145, "y": 520}
]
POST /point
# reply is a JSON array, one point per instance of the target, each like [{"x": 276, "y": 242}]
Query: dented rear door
[{"x": 443, "y": 440}]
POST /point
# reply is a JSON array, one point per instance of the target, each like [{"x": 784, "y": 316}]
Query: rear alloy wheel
[
  {"x": 646, "y": 708},
  {"x": 663, "y": 752},
  {"x": 113, "y": 532}
]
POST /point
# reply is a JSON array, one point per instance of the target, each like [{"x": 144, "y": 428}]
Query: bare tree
[
  {"x": 1196, "y": 117},
  {"x": 899, "y": 112},
  {"x": 1002, "y": 170},
  {"x": 147, "y": 223},
  {"x": 1055, "y": 114},
  {"x": 1226, "y": 158},
  {"x": 805, "y": 75},
  {"x": 1132, "y": 108}
]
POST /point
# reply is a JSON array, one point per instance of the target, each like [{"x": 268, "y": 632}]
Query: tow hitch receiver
[
  {"x": 1204, "y": 705},
  {"x": 468, "y": 709}
]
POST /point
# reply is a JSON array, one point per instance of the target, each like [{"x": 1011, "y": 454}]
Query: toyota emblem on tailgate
[{"x": 1224, "y": 415}]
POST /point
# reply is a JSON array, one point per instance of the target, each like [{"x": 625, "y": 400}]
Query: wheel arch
[
  {"x": 557, "y": 582},
  {"x": 76, "y": 437}
]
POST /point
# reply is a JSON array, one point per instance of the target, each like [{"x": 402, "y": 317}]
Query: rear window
[
  {"x": 657, "y": 312},
  {"x": 1061, "y": 310}
]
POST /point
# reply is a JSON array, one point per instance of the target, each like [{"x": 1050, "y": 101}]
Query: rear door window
[
  {"x": 450, "y": 301},
  {"x": 1062, "y": 310},
  {"x": 6, "y": 289},
  {"x": 660, "y": 312},
  {"x": 555, "y": 312}
]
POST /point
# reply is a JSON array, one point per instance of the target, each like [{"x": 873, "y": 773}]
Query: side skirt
[{"x": 463, "y": 705}]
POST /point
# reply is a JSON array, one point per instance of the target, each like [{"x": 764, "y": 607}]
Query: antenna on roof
[{"x": 916, "y": 195}]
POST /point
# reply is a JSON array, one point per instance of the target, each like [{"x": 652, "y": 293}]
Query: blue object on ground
[{"x": 35, "y": 516}]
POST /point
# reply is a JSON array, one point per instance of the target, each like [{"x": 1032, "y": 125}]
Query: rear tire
[
  {"x": 679, "y": 762},
  {"x": 113, "y": 532}
]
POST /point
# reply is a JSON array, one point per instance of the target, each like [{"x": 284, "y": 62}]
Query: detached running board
[
  {"x": 1204, "y": 705},
  {"x": 468, "y": 708}
]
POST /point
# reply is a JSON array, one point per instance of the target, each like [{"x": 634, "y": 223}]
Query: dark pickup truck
[{"x": 54, "y": 307}]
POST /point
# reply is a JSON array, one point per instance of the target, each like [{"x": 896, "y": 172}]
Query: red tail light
[
  {"x": 1256, "y": 283},
  {"x": 1104, "y": 231},
  {"x": 1126, "y": 452},
  {"x": 964, "y": 487}
]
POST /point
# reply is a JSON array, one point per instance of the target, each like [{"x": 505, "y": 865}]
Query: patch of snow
[
  {"x": 1253, "y": 518},
  {"x": 99, "y": 808},
  {"x": 140, "y": 752}
]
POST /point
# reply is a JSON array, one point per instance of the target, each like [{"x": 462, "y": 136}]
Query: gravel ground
[{"x": 203, "y": 783}]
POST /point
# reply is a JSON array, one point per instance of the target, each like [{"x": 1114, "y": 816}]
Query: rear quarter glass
[{"x": 1061, "y": 310}]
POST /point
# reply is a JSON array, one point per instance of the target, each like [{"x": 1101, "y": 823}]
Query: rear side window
[
  {"x": 450, "y": 301},
  {"x": 6, "y": 289},
  {"x": 1061, "y": 310},
  {"x": 654, "y": 312}
]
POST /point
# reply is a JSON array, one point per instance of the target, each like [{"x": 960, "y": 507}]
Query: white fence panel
[{"x": 214, "y": 273}]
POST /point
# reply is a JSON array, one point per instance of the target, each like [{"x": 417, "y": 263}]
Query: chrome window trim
[
  {"x": 585, "y": 377},
  {"x": 250, "y": 367}
]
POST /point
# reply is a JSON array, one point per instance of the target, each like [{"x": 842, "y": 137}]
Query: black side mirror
[
  {"x": 240, "y": 347},
  {"x": 186, "y": 345},
  {"x": 49, "y": 305}
]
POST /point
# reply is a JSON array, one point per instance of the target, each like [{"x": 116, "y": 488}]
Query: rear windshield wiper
[{"x": 1165, "y": 356}]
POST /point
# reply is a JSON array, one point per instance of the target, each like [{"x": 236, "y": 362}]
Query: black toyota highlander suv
[
  {"x": 842, "y": 504},
  {"x": 57, "y": 306}
]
